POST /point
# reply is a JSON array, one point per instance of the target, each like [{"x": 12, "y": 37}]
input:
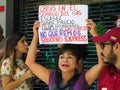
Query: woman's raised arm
[{"x": 40, "y": 71}]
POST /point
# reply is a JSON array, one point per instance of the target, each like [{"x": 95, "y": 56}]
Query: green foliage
[
  {"x": 49, "y": 57},
  {"x": 101, "y": 28}
]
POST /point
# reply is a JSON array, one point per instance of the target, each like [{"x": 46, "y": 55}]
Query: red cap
[{"x": 112, "y": 35}]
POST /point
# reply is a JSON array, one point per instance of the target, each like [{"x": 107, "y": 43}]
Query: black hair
[
  {"x": 114, "y": 18},
  {"x": 10, "y": 51},
  {"x": 79, "y": 51}
]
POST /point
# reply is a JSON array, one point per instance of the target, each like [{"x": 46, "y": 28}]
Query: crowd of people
[
  {"x": 65, "y": 75},
  {"x": 18, "y": 64}
]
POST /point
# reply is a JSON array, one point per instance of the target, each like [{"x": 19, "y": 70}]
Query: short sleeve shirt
[
  {"x": 109, "y": 79},
  {"x": 80, "y": 84},
  {"x": 21, "y": 69}
]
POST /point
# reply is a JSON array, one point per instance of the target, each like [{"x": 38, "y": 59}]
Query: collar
[{"x": 113, "y": 70}]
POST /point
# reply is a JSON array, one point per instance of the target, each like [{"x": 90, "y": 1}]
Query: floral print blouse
[{"x": 21, "y": 69}]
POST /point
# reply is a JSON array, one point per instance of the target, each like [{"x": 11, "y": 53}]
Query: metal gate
[{"x": 100, "y": 12}]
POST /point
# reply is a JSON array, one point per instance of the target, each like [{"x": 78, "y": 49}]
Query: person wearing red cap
[{"x": 109, "y": 78}]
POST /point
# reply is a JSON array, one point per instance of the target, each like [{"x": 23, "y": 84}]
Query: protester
[
  {"x": 15, "y": 74},
  {"x": 64, "y": 77},
  {"x": 82, "y": 49},
  {"x": 110, "y": 43}
]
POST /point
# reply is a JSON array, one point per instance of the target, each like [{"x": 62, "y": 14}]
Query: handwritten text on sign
[{"x": 63, "y": 24}]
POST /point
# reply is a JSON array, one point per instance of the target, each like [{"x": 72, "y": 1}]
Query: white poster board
[{"x": 60, "y": 24}]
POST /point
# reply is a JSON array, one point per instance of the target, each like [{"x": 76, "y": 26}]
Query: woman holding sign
[{"x": 64, "y": 77}]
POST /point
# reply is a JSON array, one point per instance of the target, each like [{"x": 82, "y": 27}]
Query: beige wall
[
  {"x": 6, "y": 16},
  {"x": 3, "y": 16}
]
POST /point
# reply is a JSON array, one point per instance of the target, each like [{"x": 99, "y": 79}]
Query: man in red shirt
[{"x": 110, "y": 53}]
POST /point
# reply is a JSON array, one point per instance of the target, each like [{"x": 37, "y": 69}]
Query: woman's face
[
  {"x": 22, "y": 45},
  {"x": 67, "y": 62}
]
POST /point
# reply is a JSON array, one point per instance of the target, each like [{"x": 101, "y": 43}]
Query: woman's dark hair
[
  {"x": 79, "y": 51},
  {"x": 114, "y": 18},
  {"x": 10, "y": 51}
]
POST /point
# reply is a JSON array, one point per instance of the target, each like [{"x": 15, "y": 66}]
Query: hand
[
  {"x": 92, "y": 27},
  {"x": 28, "y": 74},
  {"x": 35, "y": 27}
]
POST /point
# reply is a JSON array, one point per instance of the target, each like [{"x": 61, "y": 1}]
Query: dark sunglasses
[{"x": 104, "y": 44}]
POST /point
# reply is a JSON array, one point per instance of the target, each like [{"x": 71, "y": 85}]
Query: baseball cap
[{"x": 112, "y": 35}]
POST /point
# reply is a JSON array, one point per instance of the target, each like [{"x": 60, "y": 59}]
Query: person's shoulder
[
  {"x": 82, "y": 74},
  {"x": 106, "y": 69},
  {"x": 7, "y": 60},
  {"x": 5, "y": 63},
  {"x": 52, "y": 71}
]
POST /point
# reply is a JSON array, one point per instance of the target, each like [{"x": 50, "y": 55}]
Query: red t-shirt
[{"x": 109, "y": 79}]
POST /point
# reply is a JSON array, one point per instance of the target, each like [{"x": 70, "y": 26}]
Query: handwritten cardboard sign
[{"x": 63, "y": 24}]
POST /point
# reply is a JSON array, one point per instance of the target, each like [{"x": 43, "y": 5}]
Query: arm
[
  {"x": 94, "y": 72},
  {"x": 40, "y": 71},
  {"x": 10, "y": 84}
]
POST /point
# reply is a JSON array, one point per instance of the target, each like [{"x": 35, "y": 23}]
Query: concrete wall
[
  {"x": 9, "y": 17},
  {"x": 3, "y": 16},
  {"x": 6, "y": 16}
]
